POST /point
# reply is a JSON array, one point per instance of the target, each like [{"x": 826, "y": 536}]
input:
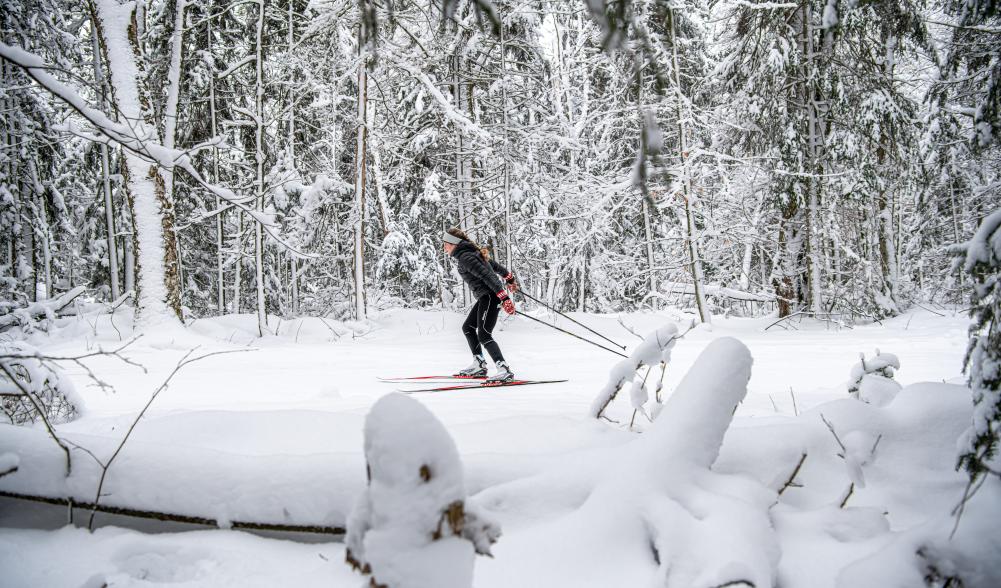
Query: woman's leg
[
  {"x": 469, "y": 326},
  {"x": 485, "y": 326}
]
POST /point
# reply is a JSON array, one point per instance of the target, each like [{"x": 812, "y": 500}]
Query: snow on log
[
  {"x": 411, "y": 527},
  {"x": 653, "y": 506},
  {"x": 41, "y": 309},
  {"x": 708, "y": 529}
]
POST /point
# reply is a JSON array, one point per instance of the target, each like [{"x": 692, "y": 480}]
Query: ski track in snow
[{"x": 233, "y": 434}]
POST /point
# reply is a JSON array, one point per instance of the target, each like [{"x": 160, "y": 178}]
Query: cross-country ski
[{"x": 484, "y": 385}]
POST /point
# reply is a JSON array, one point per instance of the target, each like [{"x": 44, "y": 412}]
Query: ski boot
[
  {"x": 504, "y": 374},
  {"x": 478, "y": 369}
]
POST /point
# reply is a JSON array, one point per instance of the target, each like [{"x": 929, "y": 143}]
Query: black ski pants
[{"x": 479, "y": 326}]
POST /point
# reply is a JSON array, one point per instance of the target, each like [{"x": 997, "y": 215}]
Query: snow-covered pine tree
[{"x": 980, "y": 259}]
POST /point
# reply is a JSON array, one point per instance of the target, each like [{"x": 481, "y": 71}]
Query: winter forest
[{"x": 228, "y": 298}]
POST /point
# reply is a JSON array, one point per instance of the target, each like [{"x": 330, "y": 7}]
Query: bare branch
[
  {"x": 792, "y": 477},
  {"x": 185, "y": 361}
]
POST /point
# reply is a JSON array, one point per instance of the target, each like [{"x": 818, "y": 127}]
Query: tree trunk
[
  {"x": 219, "y": 237},
  {"x": 262, "y": 319},
  {"x": 690, "y": 239},
  {"x": 650, "y": 261},
  {"x": 360, "y": 152},
  {"x": 109, "y": 207},
  {"x": 158, "y": 287}
]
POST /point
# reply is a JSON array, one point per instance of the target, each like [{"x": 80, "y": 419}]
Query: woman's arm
[
  {"x": 503, "y": 271},
  {"x": 473, "y": 261}
]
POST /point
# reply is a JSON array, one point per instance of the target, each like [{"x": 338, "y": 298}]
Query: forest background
[{"x": 302, "y": 158}]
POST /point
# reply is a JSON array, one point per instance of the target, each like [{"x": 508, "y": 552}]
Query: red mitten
[{"x": 506, "y": 303}]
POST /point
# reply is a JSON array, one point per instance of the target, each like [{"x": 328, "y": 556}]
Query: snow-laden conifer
[{"x": 980, "y": 259}]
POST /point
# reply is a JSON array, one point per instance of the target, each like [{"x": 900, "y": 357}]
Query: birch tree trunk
[
  {"x": 158, "y": 287},
  {"x": 814, "y": 183},
  {"x": 360, "y": 147}
]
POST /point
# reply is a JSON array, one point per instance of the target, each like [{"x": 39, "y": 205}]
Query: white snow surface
[{"x": 273, "y": 432}]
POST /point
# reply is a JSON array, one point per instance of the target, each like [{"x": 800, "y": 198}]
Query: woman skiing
[{"x": 480, "y": 274}]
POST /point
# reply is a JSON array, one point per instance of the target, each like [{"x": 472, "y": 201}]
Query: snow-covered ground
[{"x": 273, "y": 432}]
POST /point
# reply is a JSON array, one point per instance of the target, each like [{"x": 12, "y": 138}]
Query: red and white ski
[
  {"x": 483, "y": 385},
  {"x": 424, "y": 379}
]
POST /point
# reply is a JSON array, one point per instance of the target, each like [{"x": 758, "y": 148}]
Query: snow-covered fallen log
[{"x": 41, "y": 309}]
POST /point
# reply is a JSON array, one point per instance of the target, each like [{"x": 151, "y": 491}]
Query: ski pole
[
  {"x": 530, "y": 297},
  {"x": 519, "y": 313}
]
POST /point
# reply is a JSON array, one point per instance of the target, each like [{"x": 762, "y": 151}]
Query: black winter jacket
[{"x": 480, "y": 275}]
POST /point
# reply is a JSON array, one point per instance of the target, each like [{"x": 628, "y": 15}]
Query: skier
[{"x": 480, "y": 274}]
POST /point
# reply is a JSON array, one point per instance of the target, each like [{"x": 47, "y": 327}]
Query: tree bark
[{"x": 158, "y": 288}]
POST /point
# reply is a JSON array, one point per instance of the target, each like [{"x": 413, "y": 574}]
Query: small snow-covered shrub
[
  {"x": 655, "y": 349},
  {"x": 412, "y": 527},
  {"x": 31, "y": 387},
  {"x": 872, "y": 380}
]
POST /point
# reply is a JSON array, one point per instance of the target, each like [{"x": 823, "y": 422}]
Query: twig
[
  {"x": 774, "y": 406},
  {"x": 968, "y": 493},
  {"x": 180, "y": 364},
  {"x": 629, "y": 329},
  {"x": 795, "y": 409},
  {"x": 851, "y": 490},
  {"x": 872, "y": 451},
  {"x": 792, "y": 477},
  {"x": 836, "y": 438},
  {"x": 785, "y": 318},
  {"x": 929, "y": 310}
]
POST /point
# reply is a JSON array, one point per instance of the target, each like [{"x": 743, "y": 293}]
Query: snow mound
[
  {"x": 656, "y": 508},
  {"x": 410, "y": 527},
  {"x": 872, "y": 381}
]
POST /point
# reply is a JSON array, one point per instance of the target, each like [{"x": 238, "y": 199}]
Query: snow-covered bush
[
  {"x": 32, "y": 388},
  {"x": 980, "y": 258},
  {"x": 655, "y": 349},
  {"x": 412, "y": 527},
  {"x": 404, "y": 267},
  {"x": 872, "y": 380}
]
